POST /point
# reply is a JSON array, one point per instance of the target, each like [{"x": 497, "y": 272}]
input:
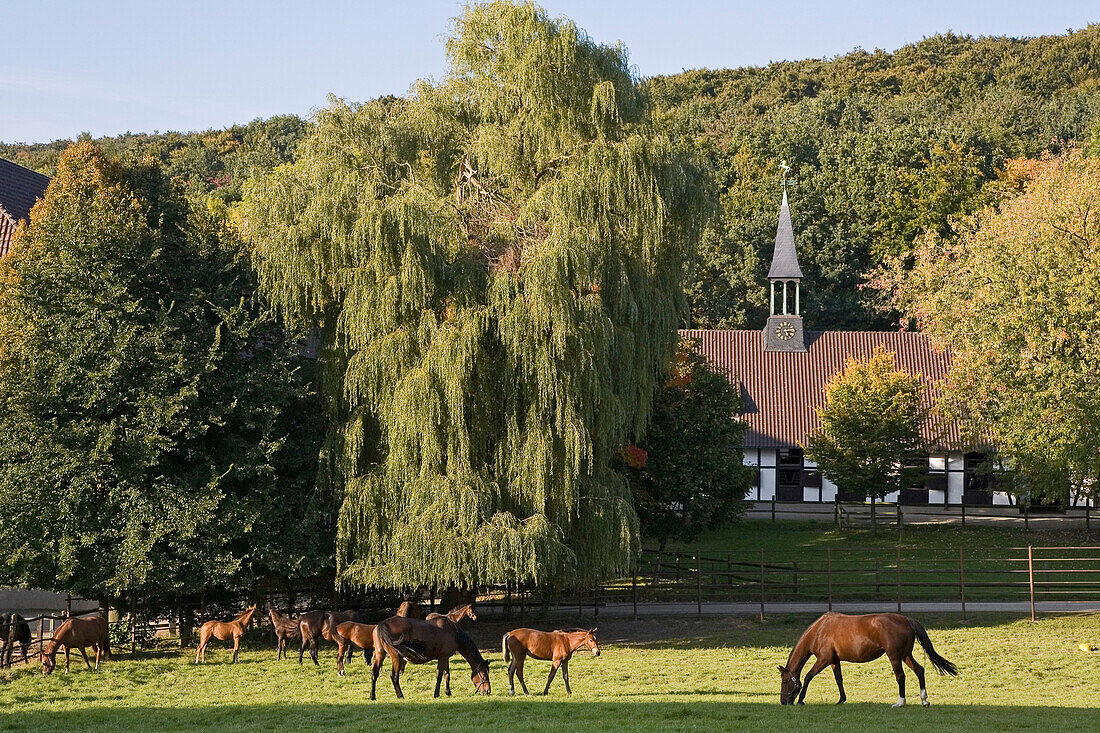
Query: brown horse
[
  {"x": 410, "y": 609},
  {"x": 557, "y": 646},
  {"x": 836, "y": 638},
  {"x": 224, "y": 631},
  {"x": 421, "y": 642},
  {"x": 77, "y": 633},
  {"x": 349, "y": 635},
  {"x": 14, "y": 629},
  {"x": 285, "y": 629},
  {"x": 317, "y": 625},
  {"x": 455, "y": 615}
]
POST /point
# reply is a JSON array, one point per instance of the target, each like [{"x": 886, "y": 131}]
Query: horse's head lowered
[
  {"x": 48, "y": 663},
  {"x": 480, "y": 677},
  {"x": 791, "y": 686}
]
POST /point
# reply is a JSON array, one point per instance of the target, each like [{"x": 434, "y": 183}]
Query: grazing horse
[
  {"x": 285, "y": 628},
  {"x": 455, "y": 615},
  {"x": 557, "y": 646},
  {"x": 14, "y": 629},
  {"x": 836, "y": 638},
  {"x": 224, "y": 631},
  {"x": 421, "y": 642},
  {"x": 410, "y": 609},
  {"x": 349, "y": 635},
  {"x": 77, "y": 632}
]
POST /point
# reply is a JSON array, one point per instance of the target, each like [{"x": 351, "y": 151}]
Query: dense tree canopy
[
  {"x": 157, "y": 437},
  {"x": 495, "y": 264},
  {"x": 1015, "y": 294},
  {"x": 869, "y": 441},
  {"x": 689, "y": 476}
]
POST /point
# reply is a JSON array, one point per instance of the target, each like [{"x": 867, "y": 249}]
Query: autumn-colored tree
[
  {"x": 495, "y": 264},
  {"x": 869, "y": 441},
  {"x": 1016, "y": 297}
]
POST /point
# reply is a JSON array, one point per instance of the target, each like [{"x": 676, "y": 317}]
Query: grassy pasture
[{"x": 669, "y": 674}]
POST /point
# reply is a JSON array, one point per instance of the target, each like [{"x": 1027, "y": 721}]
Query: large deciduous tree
[
  {"x": 494, "y": 264},
  {"x": 689, "y": 476},
  {"x": 869, "y": 441},
  {"x": 1016, "y": 296},
  {"x": 156, "y": 438}
]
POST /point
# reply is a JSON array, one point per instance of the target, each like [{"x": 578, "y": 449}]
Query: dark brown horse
[
  {"x": 78, "y": 632},
  {"x": 421, "y": 642},
  {"x": 349, "y": 635},
  {"x": 316, "y": 625},
  {"x": 836, "y": 638},
  {"x": 224, "y": 631},
  {"x": 285, "y": 628},
  {"x": 14, "y": 629},
  {"x": 410, "y": 609},
  {"x": 455, "y": 615},
  {"x": 555, "y": 646}
]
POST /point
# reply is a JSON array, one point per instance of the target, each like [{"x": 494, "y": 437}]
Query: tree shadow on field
[{"x": 548, "y": 714}]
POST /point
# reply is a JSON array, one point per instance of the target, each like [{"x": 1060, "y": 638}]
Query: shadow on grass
[{"x": 547, "y": 714}]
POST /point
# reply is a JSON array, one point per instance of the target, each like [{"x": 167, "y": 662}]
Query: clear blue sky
[{"x": 123, "y": 65}]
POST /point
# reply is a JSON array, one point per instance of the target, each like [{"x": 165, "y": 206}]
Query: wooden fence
[{"x": 39, "y": 626}]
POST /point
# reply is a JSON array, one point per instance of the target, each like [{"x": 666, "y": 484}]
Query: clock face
[{"x": 784, "y": 331}]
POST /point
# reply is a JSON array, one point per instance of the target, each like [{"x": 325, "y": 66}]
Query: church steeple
[{"x": 784, "y": 329}]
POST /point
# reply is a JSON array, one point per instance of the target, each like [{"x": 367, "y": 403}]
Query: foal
[
  {"x": 349, "y": 635},
  {"x": 285, "y": 628},
  {"x": 557, "y": 646},
  {"x": 224, "y": 631},
  {"x": 77, "y": 632},
  {"x": 836, "y": 638},
  {"x": 455, "y": 615}
]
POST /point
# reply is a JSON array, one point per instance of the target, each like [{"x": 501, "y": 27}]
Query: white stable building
[{"x": 782, "y": 373}]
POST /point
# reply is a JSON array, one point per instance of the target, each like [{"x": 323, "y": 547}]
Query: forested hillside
[{"x": 882, "y": 146}]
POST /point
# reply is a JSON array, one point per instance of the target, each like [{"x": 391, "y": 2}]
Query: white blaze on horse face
[{"x": 899, "y": 703}]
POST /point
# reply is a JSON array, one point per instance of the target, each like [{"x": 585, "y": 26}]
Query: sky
[{"x": 118, "y": 66}]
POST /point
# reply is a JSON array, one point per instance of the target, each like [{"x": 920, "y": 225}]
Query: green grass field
[{"x": 716, "y": 674}]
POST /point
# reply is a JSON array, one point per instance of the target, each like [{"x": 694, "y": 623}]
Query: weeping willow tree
[{"x": 494, "y": 264}]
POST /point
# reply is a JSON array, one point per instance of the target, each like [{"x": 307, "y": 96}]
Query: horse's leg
[
  {"x": 395, "y": 674},
  {"x": 899, "y": 675},
  {"x": 84, "y": 654},
  {"x": 521, "y": 658},
  {"x": 340, "y": 657},
  {"x": 553, "y": 671},
  {"x": 236, "y": 645},
  {"x": 565, "y": 675},
  {"x": 839, "y": 682},
  {"x": 301, "y": 648},
  {"x": 512, "y": 675},
  {"x": 376, "y": 667},
  {"x": 66, "y": 660},
  {"x": 447, "y": 677},
  {"x": 313, "y": 643},
  {"x": 819, "y": 665},
  {"x": 438, "y": 677},
  {"x": 98, "y": 648},
  {"x": 915, "y": 666}
]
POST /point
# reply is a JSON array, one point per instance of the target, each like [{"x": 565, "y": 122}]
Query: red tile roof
[
  {"x": 782, "y": 391},
  {"x": 19, "y": 189}
]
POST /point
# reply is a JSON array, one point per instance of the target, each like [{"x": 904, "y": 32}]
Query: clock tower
[{"x": 784, "y": 329}]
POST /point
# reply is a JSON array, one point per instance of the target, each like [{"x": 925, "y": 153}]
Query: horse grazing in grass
[
  {"x": 836, "y": 638},
  {"x": 285, "y": 629},
  {"x": 14, "y": 629},
  {"x": 77, "y": 633},
  {"x": 421, "y": 642},
  {"x": 556, "y": 646},
  {"x": 349, "y": 635},
  {"x": 455, "y": 615},
  {"x": 224, "y": 631},
  {"x": 410, "y": 609}
]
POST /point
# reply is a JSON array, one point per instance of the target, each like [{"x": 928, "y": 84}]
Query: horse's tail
[
  {"x": 942, "y": 665},
  {"x": 504, "y": 644},
  {"x": 412, "y": 650}
]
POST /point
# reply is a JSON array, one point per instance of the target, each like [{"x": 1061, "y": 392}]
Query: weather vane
[{"x": 786, "y": 169}]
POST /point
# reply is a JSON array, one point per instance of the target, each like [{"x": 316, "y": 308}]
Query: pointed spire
[{"x": 784, "y": 258}]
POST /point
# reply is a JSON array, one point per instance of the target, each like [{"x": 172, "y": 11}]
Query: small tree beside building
[{"x": 869, "y": 441}]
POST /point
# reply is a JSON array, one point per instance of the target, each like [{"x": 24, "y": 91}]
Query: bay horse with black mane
[
  {"x": 224, "y": 631},
  {"x": 421, "y": 642},
  {"x": 555, "y": 646},
  {"x": 836, "y": 638},
  {"x": 316, "y": 625},
  {"x": 285, "y": 627},
  {"x": 14, "y": 629},
  {"x": 77, "y": 633}
]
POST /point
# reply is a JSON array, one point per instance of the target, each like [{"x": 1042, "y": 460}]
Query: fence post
[
  {"x": 761, "y": 583},
  {"x": 773, "y": 508},
  {"x": 699, "y": 584},
  {"x": 41, "y": 634},
  {"x": 829, "y": 573},
  {"x": 962, "y": 584},
  {"x": 962, "y": 508},
  {"x": 899, "y": 580},
  {"x": 1088, "y": 503},
  {"x": 1027, "y": 508},
  {"x": 1031, "y": 580},
  {"x": 836, "y": 511},
  {"x": 634, "y": 590}
]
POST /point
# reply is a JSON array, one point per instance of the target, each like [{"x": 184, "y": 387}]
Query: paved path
[{"x": 625, "y": 610}]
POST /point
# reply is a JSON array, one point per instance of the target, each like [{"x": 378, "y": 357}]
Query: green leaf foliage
[
  {"x": 869, "y": 441},
  {"x": 495, "y": 264},
  {"x": 693, "y": 478},
  {"x": 159, "y": 436}
]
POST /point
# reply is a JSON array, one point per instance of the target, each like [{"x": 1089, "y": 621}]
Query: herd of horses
[{"x": 411, "y": 636}]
